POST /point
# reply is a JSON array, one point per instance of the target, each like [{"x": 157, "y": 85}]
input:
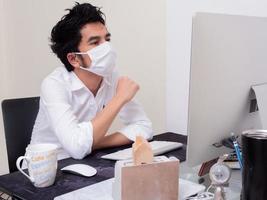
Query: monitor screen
[{"x": 228, "y": 57}]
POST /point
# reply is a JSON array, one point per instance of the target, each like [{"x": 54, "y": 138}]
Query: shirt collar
[
  {"x": 107, "y": 81},
  {"x": 77, "y": 84}
]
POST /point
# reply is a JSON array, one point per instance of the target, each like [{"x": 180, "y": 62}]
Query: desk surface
[{"x": 19, "y": 186}]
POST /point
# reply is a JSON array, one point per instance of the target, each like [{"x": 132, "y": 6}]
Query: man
[{"x": 79, "y": 101}]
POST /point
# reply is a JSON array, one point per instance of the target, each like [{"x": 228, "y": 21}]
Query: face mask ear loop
[{"x": 80, "y": 53}]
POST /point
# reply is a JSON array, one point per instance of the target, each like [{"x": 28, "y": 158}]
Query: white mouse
[{"x": 80, "y": 169}]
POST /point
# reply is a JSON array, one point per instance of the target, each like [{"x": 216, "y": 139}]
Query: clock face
[{"x": 220, "y": 173}]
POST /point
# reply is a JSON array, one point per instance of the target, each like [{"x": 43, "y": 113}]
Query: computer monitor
[{"x": 228, "y": 56}]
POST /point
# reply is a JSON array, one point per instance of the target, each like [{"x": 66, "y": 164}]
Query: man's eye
[{"x": 96, "y": 43}]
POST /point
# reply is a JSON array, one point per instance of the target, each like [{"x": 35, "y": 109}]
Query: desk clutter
[
  {"x": 141, "y": 178},
  {"x": 103, "y": 191},
  {"x": 101, "y": 185},
  {"x": 232, "y": 161},
  {"x": 17, "y": 185},
  {"x": 145, "y": 176},
  {"x": 156, "y": 180},
  {"x": 251, "y": 161}
]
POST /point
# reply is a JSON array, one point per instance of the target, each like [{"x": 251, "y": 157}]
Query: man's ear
[{"x": 73, "y": 60}]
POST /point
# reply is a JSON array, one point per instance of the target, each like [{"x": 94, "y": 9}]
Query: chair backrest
[{"x": 19, "y": 116}]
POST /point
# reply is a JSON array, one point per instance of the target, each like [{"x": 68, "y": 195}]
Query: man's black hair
[{"x": 66, "y": 36}]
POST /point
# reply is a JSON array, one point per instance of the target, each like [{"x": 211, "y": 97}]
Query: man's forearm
[
  {"x": 103, "y": 120},
  {"x": 113, "y": 140},
  {"x": 125, "y": 91}
]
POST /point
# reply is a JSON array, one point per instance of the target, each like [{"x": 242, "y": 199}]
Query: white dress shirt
[{"x": 67, "y": 107}]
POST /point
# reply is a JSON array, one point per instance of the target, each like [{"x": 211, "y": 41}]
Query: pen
[{"x": 237, "y": 151}]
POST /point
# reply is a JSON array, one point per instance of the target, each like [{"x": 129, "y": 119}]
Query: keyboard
[{"x": 158, "y": 148}]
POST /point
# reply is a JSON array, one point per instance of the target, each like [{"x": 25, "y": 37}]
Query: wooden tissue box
[{"x": 156, "y": 181}]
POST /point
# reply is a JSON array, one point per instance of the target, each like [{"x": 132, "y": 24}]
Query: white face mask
[{"x": 103, "y": 59}]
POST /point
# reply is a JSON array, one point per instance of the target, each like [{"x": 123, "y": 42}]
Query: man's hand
[{"x": 126, "y": 89}]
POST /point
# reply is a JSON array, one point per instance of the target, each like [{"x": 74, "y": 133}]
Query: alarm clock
[{"x": 220, "y": 174}]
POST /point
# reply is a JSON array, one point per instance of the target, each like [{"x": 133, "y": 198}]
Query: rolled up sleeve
[
  {"x": 75, "y": 137},
  {"x": 136, "y": 122}
]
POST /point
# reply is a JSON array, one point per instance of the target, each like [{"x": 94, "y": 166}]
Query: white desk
[{"x": 103, "y": 190}]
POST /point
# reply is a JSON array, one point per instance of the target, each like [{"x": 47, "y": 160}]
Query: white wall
[
  {"x": 179, "y": 25},
  {"x": 138, "y": 34},
  {"x": 3, "y": 89}
]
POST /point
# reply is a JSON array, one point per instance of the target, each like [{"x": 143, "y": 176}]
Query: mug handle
[{"x": 19, "y": 168}]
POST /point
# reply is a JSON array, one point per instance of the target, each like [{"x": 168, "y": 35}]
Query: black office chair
[{"x": 19, "y": 116}]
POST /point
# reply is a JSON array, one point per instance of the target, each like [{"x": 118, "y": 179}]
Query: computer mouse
[{"x": 80, "y": 169}]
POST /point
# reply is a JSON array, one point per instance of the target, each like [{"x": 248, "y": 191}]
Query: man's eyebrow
[
  {"x": 94, "y": 38},
  {"x": 98, "y": 37}
]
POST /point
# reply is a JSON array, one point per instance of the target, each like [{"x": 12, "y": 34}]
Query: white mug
[{"x": 41, "y": 160}]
